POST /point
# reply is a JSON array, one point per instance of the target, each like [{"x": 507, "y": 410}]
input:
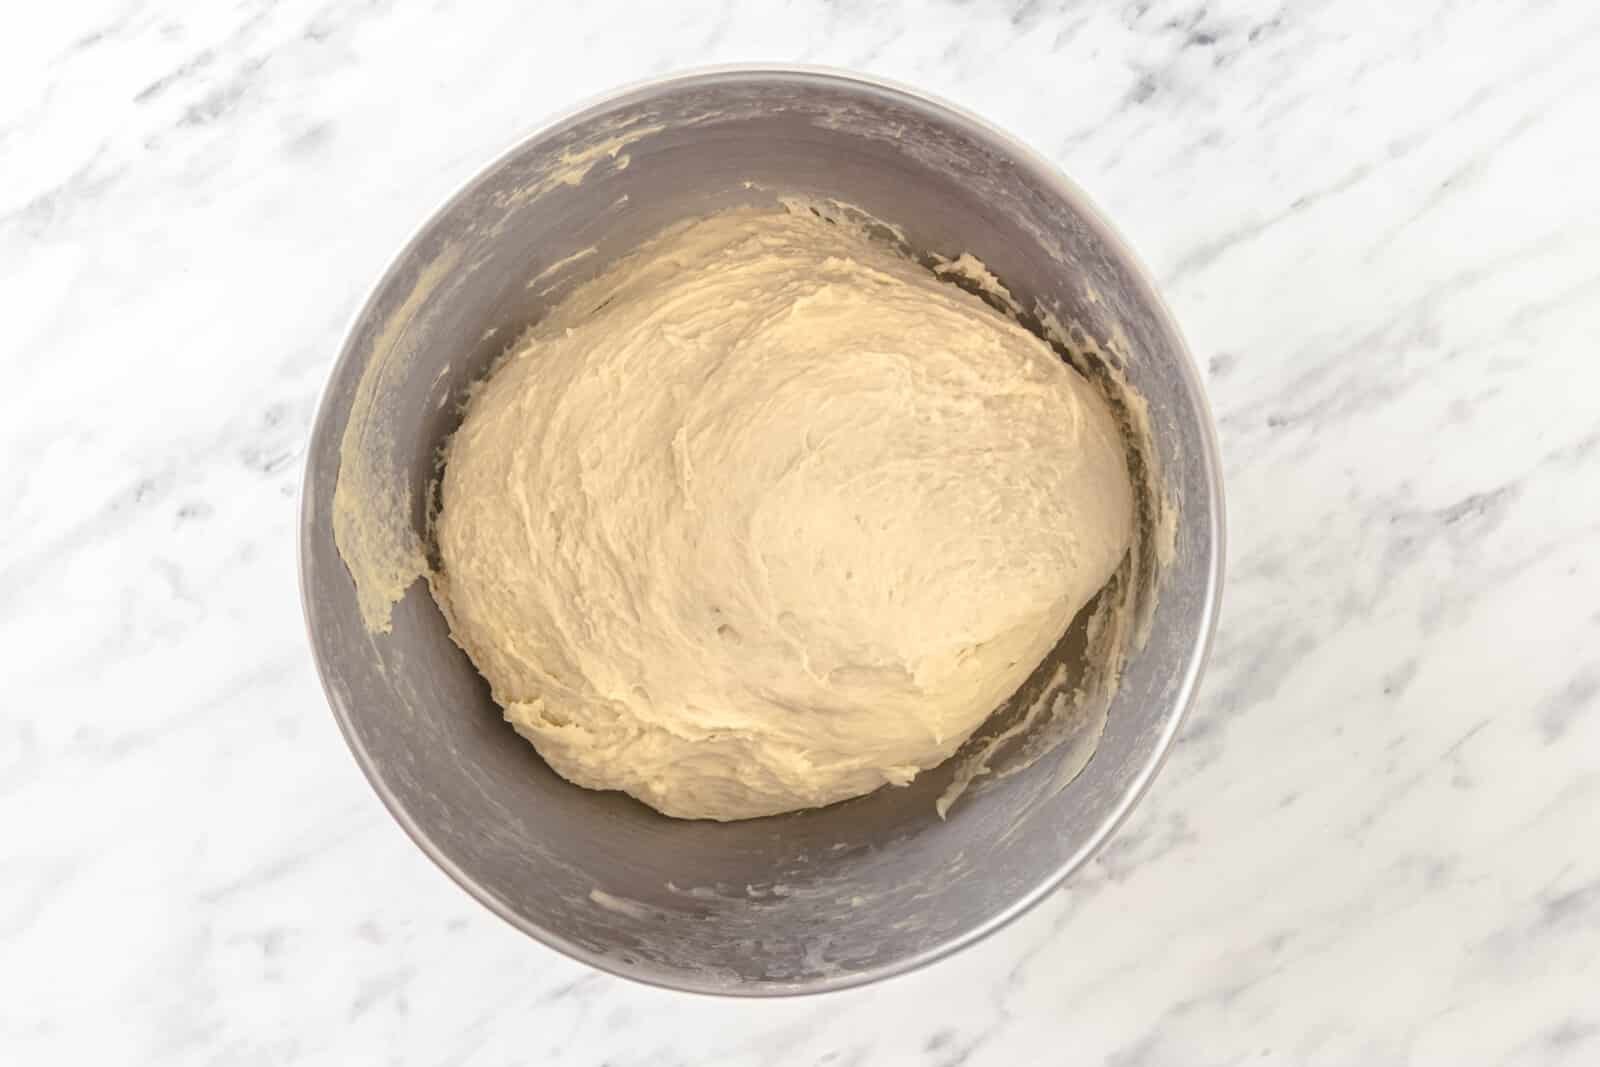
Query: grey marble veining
[{"x": 1376, "y": 839}]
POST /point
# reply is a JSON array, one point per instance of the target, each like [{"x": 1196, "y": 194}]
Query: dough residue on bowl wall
[{"x": 372, "y": 502}]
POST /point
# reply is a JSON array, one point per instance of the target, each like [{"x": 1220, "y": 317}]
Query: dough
[{"x": 766, "y": 517}]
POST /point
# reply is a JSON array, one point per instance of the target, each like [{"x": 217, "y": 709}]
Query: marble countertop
[{"x": 1378, "y": 839}]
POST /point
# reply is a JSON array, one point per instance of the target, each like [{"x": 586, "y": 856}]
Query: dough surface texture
[{"x": 766, "y": 517}]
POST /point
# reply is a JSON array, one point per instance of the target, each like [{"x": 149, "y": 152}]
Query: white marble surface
[{"x": 1378, "y": 840}]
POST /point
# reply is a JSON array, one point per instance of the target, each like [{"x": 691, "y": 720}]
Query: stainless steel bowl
[{"x": 813, "y": 900}]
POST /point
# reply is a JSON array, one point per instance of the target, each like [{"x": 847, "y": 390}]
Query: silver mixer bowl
[{"x": 812, "y": 900}]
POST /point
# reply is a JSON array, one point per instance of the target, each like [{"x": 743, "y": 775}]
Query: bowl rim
[{"x": 1210, "y": 463}]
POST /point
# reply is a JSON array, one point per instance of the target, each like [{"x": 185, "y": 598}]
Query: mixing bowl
[{"x": 812, "y": 900}]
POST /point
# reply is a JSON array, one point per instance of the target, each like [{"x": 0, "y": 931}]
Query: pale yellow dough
[{"x": 766, "y": 517}]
